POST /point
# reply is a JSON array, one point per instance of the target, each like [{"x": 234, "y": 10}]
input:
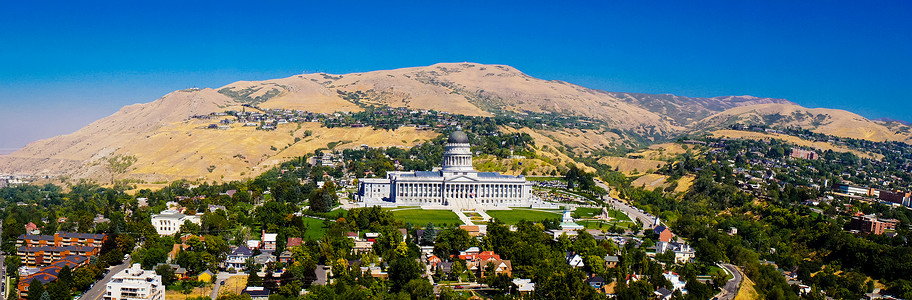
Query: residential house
[
  {"x": 477, "y": 261},
  {"x": 444, "y": 267},
  {"x": 205, "y": 276},
  {"x": 677, "y": 283},
  {"x": 238, "y": 258},
  {"x": 256, "y": 292},
  {"x": 663, "y": 294},
  {"x": 611, "y": 261},
  {"x": 682, "y": 252},
  {"x": 269, "y": 241},
  {"x": 432, "y": 262},
  {"x": 595, "y": 281},
  {"x": 574, "y": 260},
  {"x": 32, "y": 228},
  {"x": 254, "y": 244},
  {"x": 264, "y": 258},
  {"x": 294, "y": 242},
  {"x": 664, "y": 233},
  {"x": 285, "y": 257},
  {"x": 524, "y": 286}
]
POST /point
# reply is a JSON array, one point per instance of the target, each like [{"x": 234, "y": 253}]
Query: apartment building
[
  {"x": 45, "y": 255},
  {"x": 135, "y": 283},
  {"x": 62, "y": 239}
]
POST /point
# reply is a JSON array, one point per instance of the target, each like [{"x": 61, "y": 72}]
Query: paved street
[
  {"x": 731, "y": 287},
  {"x": 99, "y": 288},
  {"x": 631, "y": 211}
]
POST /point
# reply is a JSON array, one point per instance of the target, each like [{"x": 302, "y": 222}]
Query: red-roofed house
[
  {"x": 31, "y": 228},
  {"x": 293, "y": 242}
]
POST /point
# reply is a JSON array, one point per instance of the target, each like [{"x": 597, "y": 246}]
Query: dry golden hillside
[
  {"x": 169, "y": 143},
  {"x": 821, "y": 120}
]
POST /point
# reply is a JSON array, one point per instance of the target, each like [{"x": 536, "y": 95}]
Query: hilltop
[{"x": 173, "y": 137}]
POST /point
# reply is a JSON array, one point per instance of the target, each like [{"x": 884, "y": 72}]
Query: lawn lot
[
  {"x": 421, "y": 217},
  {"x": 515, "y": 215}
]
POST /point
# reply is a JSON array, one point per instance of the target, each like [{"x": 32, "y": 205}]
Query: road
[
  {"x": 99, "y": 288},
  {"x": 731, "y": 287},
  {"x": 631, "y": 211}
]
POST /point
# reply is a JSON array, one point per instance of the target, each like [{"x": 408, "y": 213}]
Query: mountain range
[{"x": 170, "y": 141}]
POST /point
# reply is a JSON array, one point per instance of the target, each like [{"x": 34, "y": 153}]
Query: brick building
[{"x": 871, "y": 224}]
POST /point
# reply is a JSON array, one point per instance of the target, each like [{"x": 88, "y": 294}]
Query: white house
[
  {"x": 135, "y": 283},
  {"x": 168, "y": 222}
]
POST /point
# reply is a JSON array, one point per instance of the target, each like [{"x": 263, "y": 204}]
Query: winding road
[
  {"x": 731, "y": 287},
  {"x": 630, "y": 211}
]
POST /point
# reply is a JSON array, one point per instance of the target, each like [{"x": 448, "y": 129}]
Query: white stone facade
[
  {"x": 456, "y": 186},
  {"x": 168, "y": 222},
  {"x": 135, "y": 283}
]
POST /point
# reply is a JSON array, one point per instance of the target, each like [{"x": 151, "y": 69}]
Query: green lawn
[
  {"x": 420, "y": 217},
  {"x": 315, "y": 229},
  {"x": 587, "y": 212},
  {"x": 516, "y": 215}
]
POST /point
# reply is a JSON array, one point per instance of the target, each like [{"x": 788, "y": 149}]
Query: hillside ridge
[{"x": 170, "y": 139}]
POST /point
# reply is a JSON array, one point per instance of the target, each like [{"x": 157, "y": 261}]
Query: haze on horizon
[{"x": 67, "y": 64}]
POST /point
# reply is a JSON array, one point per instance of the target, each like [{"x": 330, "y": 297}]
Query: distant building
[
  {"x": 168, "y": 222},
  {"x": 850, "y": 189},
  {"x": 894, "y": 196},
  {"x": 871, "y": 224},
  {"x": 135, "y": 283},
  {"x": 804, "y": 154}
]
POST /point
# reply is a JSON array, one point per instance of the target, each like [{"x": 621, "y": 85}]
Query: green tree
[
  {"x": 167, "y": 274},
  {"x": 402, "y": 270},
  {"x": 254, "y": 279},
  {"x": 36, "y": 288},
  {"x": 58, "y": 290},
  {"x": 450, "y": 241},
  {"x": 419, "y": 289}
]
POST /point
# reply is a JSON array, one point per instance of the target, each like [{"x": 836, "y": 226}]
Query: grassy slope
[{"x": 747, "y": 291}]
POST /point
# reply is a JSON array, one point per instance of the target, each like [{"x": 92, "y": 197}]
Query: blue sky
[{"x": 65, "y": 64}]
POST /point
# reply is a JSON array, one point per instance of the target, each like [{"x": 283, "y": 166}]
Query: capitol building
[{"x": 455, "y": 186}]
